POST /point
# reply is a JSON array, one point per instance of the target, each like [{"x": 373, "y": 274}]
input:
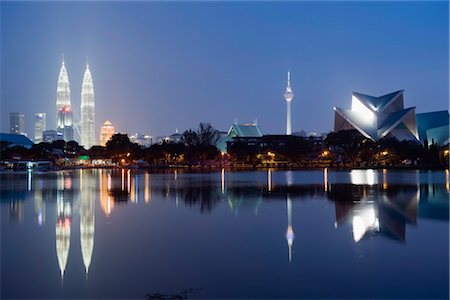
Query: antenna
[
  {"x": 63, "y": 58},
  {"x": 289, "y": 78}
]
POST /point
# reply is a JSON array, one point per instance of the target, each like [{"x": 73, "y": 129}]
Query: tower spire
[
  {"x": 288, "y": 96},
  {"x": 63, "y": 58}
]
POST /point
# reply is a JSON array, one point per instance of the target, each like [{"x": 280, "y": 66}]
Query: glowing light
[
  {"x": 128, "y": 180},
  {"x": 123, "y": 179},
  {"x": 147, "y": 188},
  {"x": 29, "y": 180},
  {"x": 365, "y": 113},
  {"x": 447, "y": 183},
  {"x": 325, "y": 179},
  {"x": 325, "y": 153},
  {"x": 363, "y": 177},
  {"x": 269, "y": 180},
  {"x": 363, "y": 222},
  {"x": 223, "y": 180}
]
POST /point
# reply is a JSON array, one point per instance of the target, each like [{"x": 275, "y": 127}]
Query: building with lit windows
[
  {"x": 17, "y": 123},
  {"x": 238, "y": 131},
  {"x": 87, "y": 110},
  {"x": 106, "y": 132},
  {"x": 378, "y": 117},
  {"x": 40, "y": 124},
  {"x": 64, "y": 116}
]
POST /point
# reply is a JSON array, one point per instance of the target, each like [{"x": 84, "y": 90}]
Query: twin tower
[{"x": 64, "y": 114}]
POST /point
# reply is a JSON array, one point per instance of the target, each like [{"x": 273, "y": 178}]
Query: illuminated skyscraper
[
  {"x": 106, "y": 132},
  {"x": 288, "y": 95},
  {"x": 40, "y": 125},
  {"x": 17, "y": 123},
  {"x": 64, "y": 117},
  {"x": 87, "y": 110}
]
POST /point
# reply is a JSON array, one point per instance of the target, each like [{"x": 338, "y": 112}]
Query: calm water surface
[{"x": 262, "y": 234}]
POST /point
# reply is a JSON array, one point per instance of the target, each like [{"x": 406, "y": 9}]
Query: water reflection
[
  {"x": 87, "y": 222},
  {"x": 290, "y": 231},
  {"x": 63, "y": 219}
]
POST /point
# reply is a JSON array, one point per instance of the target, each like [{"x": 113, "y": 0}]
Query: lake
[{"x": 100, "y": 233}]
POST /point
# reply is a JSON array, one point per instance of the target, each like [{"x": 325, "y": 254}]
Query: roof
[
  {"x": 393, "y": 120},
  {"x": 247, "y": 130},
  {"x": 16, "y": 139},
  {"x": 439, "y": 135},
  {"x": 430, "y": 120},
  {"x": 377, "y": 103}
]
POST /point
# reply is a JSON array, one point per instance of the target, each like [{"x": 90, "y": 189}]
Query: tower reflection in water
[
  {"x": 87, "y": 220},
  {"x": 63, "y": 219}
]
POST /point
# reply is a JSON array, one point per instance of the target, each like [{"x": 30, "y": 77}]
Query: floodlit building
[
  {"x": 17, "y": 123},
  {"x": 434, "y": 127},
  {"x": 64, "y": 115},
  {"x": 40, "y": 124},
  {"x": 87, "y": 110},
  {"x": 106, "y": 132},
  {"x": 378, "y": 117},
  {"x": 288, "y": 96},
  {"x": 238, "y": 131}
]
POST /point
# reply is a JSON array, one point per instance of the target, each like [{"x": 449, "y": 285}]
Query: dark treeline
[{"x": 346, "y": 148}]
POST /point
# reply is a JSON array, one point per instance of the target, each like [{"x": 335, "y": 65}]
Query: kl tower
[{"x": 288, "y": 95}]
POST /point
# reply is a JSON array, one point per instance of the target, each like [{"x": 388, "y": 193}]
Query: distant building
[
  {"x": 244, "y": 131},
  {"x": 17, "y": 123},
  {"x": 142, "y": 139},
  {"x": 40, "y": 124},
  {"x": 378, "y": 117},
  {"x": 16, "y": 140},
  {"x": 49, "y": 136},
  {"x": 434, "y": 127},
  {"x": 106, "y": 132}
]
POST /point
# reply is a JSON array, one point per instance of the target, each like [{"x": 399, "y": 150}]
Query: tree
[{"x": 207, "y": 134}]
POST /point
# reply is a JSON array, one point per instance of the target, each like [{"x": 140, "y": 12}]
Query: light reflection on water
[{"x": 368, "y": 204}]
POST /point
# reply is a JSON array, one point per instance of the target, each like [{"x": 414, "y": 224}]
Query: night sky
[{"x": 160, "y": 66}]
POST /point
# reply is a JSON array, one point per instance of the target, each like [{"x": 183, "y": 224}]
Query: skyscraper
[
  {"x": 288, "y": 95},
  {"x": 40, "y": 124},
  {"x": 17, "y": 123},
  {"x": 87, "y": 110},
  {"x": 106, "y": 132},
  {"x": 64, "y": 117}
]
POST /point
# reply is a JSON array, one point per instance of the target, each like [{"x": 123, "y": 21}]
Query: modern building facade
[
  {"x": 64, "y": 115},
  {"x": 87, "y": 110},
  {"x": 17, "y": 123},
  {"x": 378, "y": 117},
  {"x": 433, "y": 127},
  {"x": 288, "y": 96},
  {"x": 106, "y": 132},
  {"x": 40, "y": 124}
]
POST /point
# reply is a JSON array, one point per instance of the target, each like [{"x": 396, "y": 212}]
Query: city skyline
[{"x": 156, "y": 75}]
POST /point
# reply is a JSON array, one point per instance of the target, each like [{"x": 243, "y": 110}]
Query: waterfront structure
[
  {"x": 40, "y": 124},
  {"x": 106, "y": 132},
  {"x": 49, "y": 136},
  {"x": 17, "y": 123},
  {"x": 16, "y": 140},
  {"x": 433, "y": 127},
  {"x": 238, "y": 131},
  {"x": 288, "y": 96},
  {"x": 87, "y": 110},
  {"x": 64, "y": 115},
  {"x": 378, "y": 117}
]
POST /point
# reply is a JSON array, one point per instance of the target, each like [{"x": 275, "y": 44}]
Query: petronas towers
[
  {"x": 87, "y": 110},
  {"x": 64, "y": 116}
]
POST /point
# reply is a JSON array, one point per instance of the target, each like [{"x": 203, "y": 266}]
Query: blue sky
[{"x": 158, "y": 66}]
